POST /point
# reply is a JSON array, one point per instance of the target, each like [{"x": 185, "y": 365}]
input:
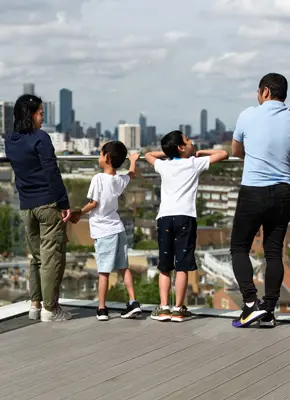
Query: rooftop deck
[{"x": 84, "y": 359}]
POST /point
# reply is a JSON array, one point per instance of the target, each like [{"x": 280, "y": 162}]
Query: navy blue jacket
[{"x": 37, "y": 176}]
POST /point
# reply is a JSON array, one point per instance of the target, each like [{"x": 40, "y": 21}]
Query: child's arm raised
[
  {"x": 215, "y": 156},
  {"x": 152, "y": 156},
  {"x": 132, "y": 170}
]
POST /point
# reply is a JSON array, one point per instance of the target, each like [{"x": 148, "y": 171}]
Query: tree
[
  {"x": 210, "y": 219},
  {"x": 11, "y": 231},
  {"x": 147, "y": 245},
  {"x": 147, "y": 292},
  {"x": 138, "y": 236},
  {"x": 77, "y": 191},
  {"x": 200, "y": 206},
  {"x": 78, "y": 248},
  {"x": 149, "y": 215}
]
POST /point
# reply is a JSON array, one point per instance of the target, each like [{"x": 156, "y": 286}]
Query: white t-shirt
[
  {"x": 179, "y": 181},
  {"x": 105, "y": 190}
]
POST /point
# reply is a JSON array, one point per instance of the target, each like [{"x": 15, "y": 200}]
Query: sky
[{"x": 166, "y": 58}]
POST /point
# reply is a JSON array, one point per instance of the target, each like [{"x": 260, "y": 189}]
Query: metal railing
[{"x": 4, "y": 160}]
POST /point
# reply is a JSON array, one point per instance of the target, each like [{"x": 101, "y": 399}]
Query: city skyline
[
  {"x": 201, "y": 55},
  {"x": 76, "y": 129}
]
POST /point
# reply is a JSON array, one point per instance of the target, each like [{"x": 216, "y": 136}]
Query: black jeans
[{"x": 270, "y": 207}]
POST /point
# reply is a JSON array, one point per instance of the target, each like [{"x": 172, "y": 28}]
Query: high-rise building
[
  {"x": 29, "y": 88},
  {"x": 91, "y": 133},
  {"x": 130, "y": 135},
  {"x": 151, "y": 136},
  {"x": 186, "y": 130},
  {"x": 77, "y": 130},
  {"x": 143, "y": 127},
  {"x": 6, "y": 117},
  {"x": 66, "y": 111},
  {"x": 107, "y": 135},
  {"x": 49, "y": 113},
  {"x": 116, "y": 133},
  {"x": 98, "y": 129},
  {"x": 219, "y": 126},
  {"x": 203, "y": 123}
]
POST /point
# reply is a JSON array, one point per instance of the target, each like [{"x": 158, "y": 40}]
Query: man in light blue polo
[{"x": 262, "y": 139}]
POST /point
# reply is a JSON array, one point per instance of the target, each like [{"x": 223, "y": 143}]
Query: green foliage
[
  {"x": 210, "y": 220},
  {"x": 147, "y": 292},
  {"x": 11, "y": 231},
  {"x": 216, "y": 169},
  {"x": 147, "y": 245},
  {"x": 200, "y": 206},
  {"x": 78, "y": 248},
  {"x": 149, "y": 215},
  {"x": 157, "y": 191},
  {"x": 61, "y": 166},
  {"x": 209, "y": 301},
  {"x": 77, "y": 191},
  {"x": 138, "y": 236},
  {"x": 4, "y": 195},
  {"x": 139, "y": 212}
]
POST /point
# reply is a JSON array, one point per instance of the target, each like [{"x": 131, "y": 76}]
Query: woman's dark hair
[
  {"x": 170, "y": 143},
  {"x": 117, "y": 152},
  {"x": 24, "y": 108}
]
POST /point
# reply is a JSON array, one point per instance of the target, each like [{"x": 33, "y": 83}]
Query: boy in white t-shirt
[
  {"x": 176, "y": 219},
  {"x": 106, "y": 227}
]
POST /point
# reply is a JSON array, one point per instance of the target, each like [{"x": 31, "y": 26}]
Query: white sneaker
[
  {"x": 34, "y": 313},
  {"x": 57, "y": 315}
]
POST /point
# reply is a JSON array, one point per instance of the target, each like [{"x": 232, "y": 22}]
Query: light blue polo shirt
[{"x": 265, "y": 132}]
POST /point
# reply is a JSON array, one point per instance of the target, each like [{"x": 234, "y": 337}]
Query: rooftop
[{"x": 203, "y": 359}]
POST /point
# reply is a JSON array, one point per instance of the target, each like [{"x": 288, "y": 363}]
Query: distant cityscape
[
  {"x": 213, "y": 286},
  {"x": 70, "y": 135}
]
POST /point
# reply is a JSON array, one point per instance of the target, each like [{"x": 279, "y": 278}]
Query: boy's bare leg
[
  {"x": 103, "y": 289},
  {"x": 128, "y": 280},
  {"x": 180, "y": 287},
  {"x": 164, "y": 287}
]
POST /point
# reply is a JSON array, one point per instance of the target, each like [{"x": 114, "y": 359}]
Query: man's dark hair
[
  {"x": 117, "y": 152},
  {"x": 170, "y": 143},
  {"x": 24, "y": 108},
  {"x": 277, "y": 84}
]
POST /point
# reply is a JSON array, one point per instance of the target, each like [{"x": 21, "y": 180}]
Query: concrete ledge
[{"x": 22, "y": 308}]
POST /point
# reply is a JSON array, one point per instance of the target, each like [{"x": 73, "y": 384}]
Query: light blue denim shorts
[{"x": 112, "y": 252}]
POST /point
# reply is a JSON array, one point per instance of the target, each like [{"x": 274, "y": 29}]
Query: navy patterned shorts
[{"x": 177, "y": 240}]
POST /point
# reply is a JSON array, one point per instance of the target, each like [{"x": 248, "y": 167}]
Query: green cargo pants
[{"x": 46, "y": 238}]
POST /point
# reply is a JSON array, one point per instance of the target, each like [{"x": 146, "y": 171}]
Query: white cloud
[
  {"x": 258, "y": 8},
  {"x": 175, "y": 36},
  {"x": 228, "y": 64},
  {"x": 120, "y": 57}
]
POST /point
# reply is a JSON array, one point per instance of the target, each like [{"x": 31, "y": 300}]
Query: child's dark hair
[
  {"x": 170, "y": 143},
  {"x": 117, "y": 152},
  {"x": 24, "y": 108}
]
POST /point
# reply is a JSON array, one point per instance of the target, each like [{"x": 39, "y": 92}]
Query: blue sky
[{"x": 166, "y": 58}]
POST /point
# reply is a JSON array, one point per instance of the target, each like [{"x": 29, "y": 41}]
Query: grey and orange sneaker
[
  {"x": 161, "y": 314},
  {"x": 180, "y": 314}
]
